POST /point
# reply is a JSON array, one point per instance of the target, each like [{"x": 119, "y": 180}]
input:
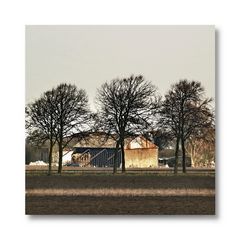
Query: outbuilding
[{"x": 98, "y": 151}]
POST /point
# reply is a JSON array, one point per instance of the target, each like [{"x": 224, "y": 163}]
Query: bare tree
[
  {"x": 71, "y": 115},
  {"x": 201, "y": 147},
  {"x": 161, "y": 138},
  {"x": 57, "y": 116},
  {"x": 124, "y": 109},
  {"x": 169, "y": 113},
  {"x": 40, "y": 122},
  {"x": 185, "y": 110}
]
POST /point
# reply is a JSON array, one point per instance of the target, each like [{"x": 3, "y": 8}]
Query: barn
[
  {"x": 98, "y": 151},
  {"x": 34, "y": 153},
  {"x": 141, "y": 153},
  {"x": 95, "y": 157}
]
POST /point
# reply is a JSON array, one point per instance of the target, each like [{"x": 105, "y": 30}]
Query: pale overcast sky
[{"x": 90, "y": 55}]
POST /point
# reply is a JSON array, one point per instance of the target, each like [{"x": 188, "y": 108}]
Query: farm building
[
  {"x": 95, "y": 157},
  {"x": 98, "y": 151},
  {"x": 140, "y": 152},
  {"x": 168, "y": 158},
  {"x": 34, "y": 153}
]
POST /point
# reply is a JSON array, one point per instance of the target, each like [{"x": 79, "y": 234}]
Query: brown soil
[{"x": 126, "y": 194}]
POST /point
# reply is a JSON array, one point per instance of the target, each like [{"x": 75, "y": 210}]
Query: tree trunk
[
  {"x": 115, "y": 158},
  {"x": 191, "y": 154},
  {"x": 176, "y": 157},
  {"x": 50, "y": 158},
  {"x": 60, "y": 151},
  {"x": 183, "y": 155},
  {"x": 193, "y": 161},
  {"x": 123, "y": 157}
]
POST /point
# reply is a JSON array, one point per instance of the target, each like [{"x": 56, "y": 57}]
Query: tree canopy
[
  {"x": 124, "y": 108},
  {"x": 56, "y": 116},
  {"x": 185, "y": 110}
]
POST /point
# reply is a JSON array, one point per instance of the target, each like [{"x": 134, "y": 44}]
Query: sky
[{"x": 88, "y": 56}]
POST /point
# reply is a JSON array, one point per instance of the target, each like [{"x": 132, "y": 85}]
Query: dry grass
[{"x": 121, "y": 194}]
